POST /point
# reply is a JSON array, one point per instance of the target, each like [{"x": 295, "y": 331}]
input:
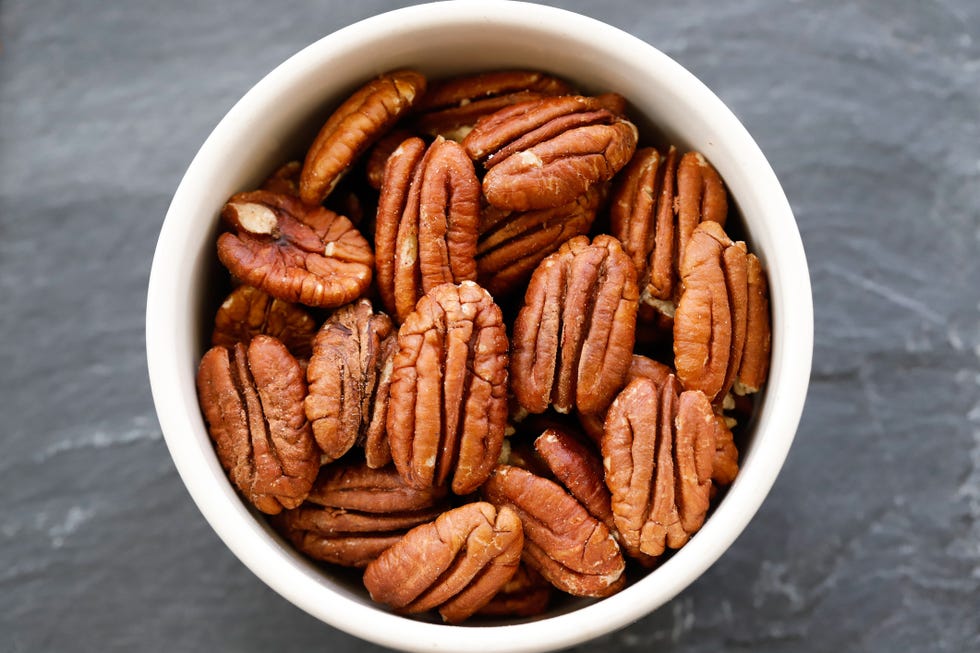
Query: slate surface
[{"x": 870, "y": 115}]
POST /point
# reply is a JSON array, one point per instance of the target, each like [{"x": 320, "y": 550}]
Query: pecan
[
  {"x": 724, "y": 465},
  {"x": 469, "y": 552},
  {"x": 451, "y": 107},
  {"x": 252, "y": 400},
  {"x": 711, "y": 320},
  {"x": 578, "y": 469},
  {"x": 640, "y": 366},
  {"x": 354, "y": 512},
  {"x": 344, "y": 377},
  {"x": 248, "y": 311},
  {"x": 294, "y": 252},
  {"x": 572, "y": 549},
  {"x": 573, "y": 338},
  {"x": 656, "y": 205},
  {"x": 657, "y": 450},
  {"x": 527, "y": 594},
  {"x": 357, "y": 123},
  {"x": 511, "y": 244},
  {"x": 448, "y": 396},
  {"x": 754, "y": 366},
  {"x": 285, "y": 180},
  {"x": 428, "y": 216},
  {"x": 545, "y": 153},
  {"x": 378, "y": 156}
]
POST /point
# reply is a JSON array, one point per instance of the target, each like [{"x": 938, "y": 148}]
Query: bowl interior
[{"x": 277, "y": 120}]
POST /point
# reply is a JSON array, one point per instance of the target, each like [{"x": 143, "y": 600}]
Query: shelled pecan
[{"x": 248, "y": 312}]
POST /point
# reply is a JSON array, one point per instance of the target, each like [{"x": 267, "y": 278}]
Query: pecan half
[
  {"x": 252, "y": 400},
  {"x": 451, "y": 107},
  {"x": 545, "y": 153},
  {"x": 657, "y": 451},
  {"x": 285, "y": 180},
  {"x": 754, "y": 366},
  {"x": 248, "y": 312},
  {"x": 344, "y": 375},
  {"x": 294, "y": 252},
  {"x": 357, "y": 123},
  {"x": 427, "y": 223},
  {"x": 656, "y": 205},
  {"x": 511, "y": 244},
  {"x": 377, "y": 159},
  {"x": 469, "y": 552},
  {"x": 724, "y": 465},
  {"x": 578, "y": 469},
  {"x": 640, "y": 366},
  {"x": 572, "y": 549},
  {"x": 448, "y": 396},
  {"x": 710, "y": 324},
  {"x": 354, "y": 512},
  {"x": 573, "y": 338},
  {"x": 527, "y": 594}
]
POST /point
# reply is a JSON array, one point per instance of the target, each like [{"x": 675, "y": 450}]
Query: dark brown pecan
[
  {"x": 572, "y": 549},
  {"x": 469, "y": 553},
  {"x": 248, "y": 312},
  {"x": 579, "y": 469},
  {"x": 294, "y": 252},
  {"x": 512, "y": 244},
  {"x": 448, "y": 396},
  {"x": 573, "y": 338},
  {"x": 451, "y": 107},
  {"x": 344, "y": 376},
  {"x": 711, "y": 320},
  {"x": 657, "y": 449},
  {"x": 656, "y": 205},
  {"x": 428, "y": 217},
  {"x": 357, "y": 123},
  {"x": 354, "y": 512},
  {"x": 285, "y": 180},
  {"x": 754, "y": 366},
  {"x": 527, "y": 594},
  {"x": 252, "y": 399}
]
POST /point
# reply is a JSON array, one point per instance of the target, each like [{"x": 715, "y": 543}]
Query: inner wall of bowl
[{"x": 278, "y": 119}]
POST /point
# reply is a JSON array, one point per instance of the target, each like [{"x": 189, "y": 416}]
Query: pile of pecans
[{"x": 567, "y": 337}]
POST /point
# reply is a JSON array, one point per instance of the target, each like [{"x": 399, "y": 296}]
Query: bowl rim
[{"x": 300, "y": 583}]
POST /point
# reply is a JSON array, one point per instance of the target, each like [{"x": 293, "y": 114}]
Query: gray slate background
[{"x": 870, "y": 114}]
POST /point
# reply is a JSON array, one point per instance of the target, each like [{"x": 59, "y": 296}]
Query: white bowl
[{"x": 280, "y": 115}]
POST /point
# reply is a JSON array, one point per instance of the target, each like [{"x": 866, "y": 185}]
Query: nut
[
  {"x": 377, "y": 159},
  {"x": 448, "y": 396},
  {"x": 252, "y": 400},
  {"x": 547, "y": 152},
  {"x": 285, "y": 180},
  {"x": 344, "y": 376},
  {"x": 248, "y": 312},
  {"x": 573, "y": 338},
  {"x": 469, "y": 552},
  {"x": 354, "y": 512},
  {"x": 511, "y": 244},
  {"x": 657, "y": 451},
  {"x": 711, "y": 322},
  {"x": 428, "y": 216},
  {"x": 724, "y": 465},
  {"x": 754, "y": 367},
  {"x": 294, "y": 252},
  {"x": 578, "y": 469},
  {"x": 357, "y": 123},
  {"x": 452, "y": 107},
  {"x": 640, "y": 366},
  {"x": 527, "y": 594},
  {"x": 573, "y": 550}
]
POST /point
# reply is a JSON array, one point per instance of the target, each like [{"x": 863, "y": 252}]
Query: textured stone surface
[{"x": 868, "y": 111}]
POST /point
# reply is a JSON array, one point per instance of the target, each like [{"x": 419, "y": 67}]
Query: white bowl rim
[{"x": 261, "y": 553}]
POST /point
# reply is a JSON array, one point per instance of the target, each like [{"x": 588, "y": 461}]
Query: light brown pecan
[
  {"x": 294, "y": 252},
  {"x": 248, "y": 311},
  {"x": 573, "y": 338},
  {"x": 252, "y": 400},
  {"x": 754, "y": 366},
  {"x": 640, "y": 366},
  {"x": 451, "y": 107},
  {"x": 657, "y": 203},
  {"x": 657, "y": 450},
  {"x": 285, "y": 180},
  {"x": 572, "y": 549},
  {"x": 448, "y": 396},
  {"x": 545, "y": 153},
  {"x": 710, "y": 324},
  {"x": 511, "y": 244},
  {"x": 344, "y": 378},
  {"x": 724, "y": 465},
  {"x": 357, "y": 123},
  {"x": 354, "y": 512},
  {"x": 428, "y": 217},
  {"x": 469, "y": 553},
  {"x": 527, "y": 594}
]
